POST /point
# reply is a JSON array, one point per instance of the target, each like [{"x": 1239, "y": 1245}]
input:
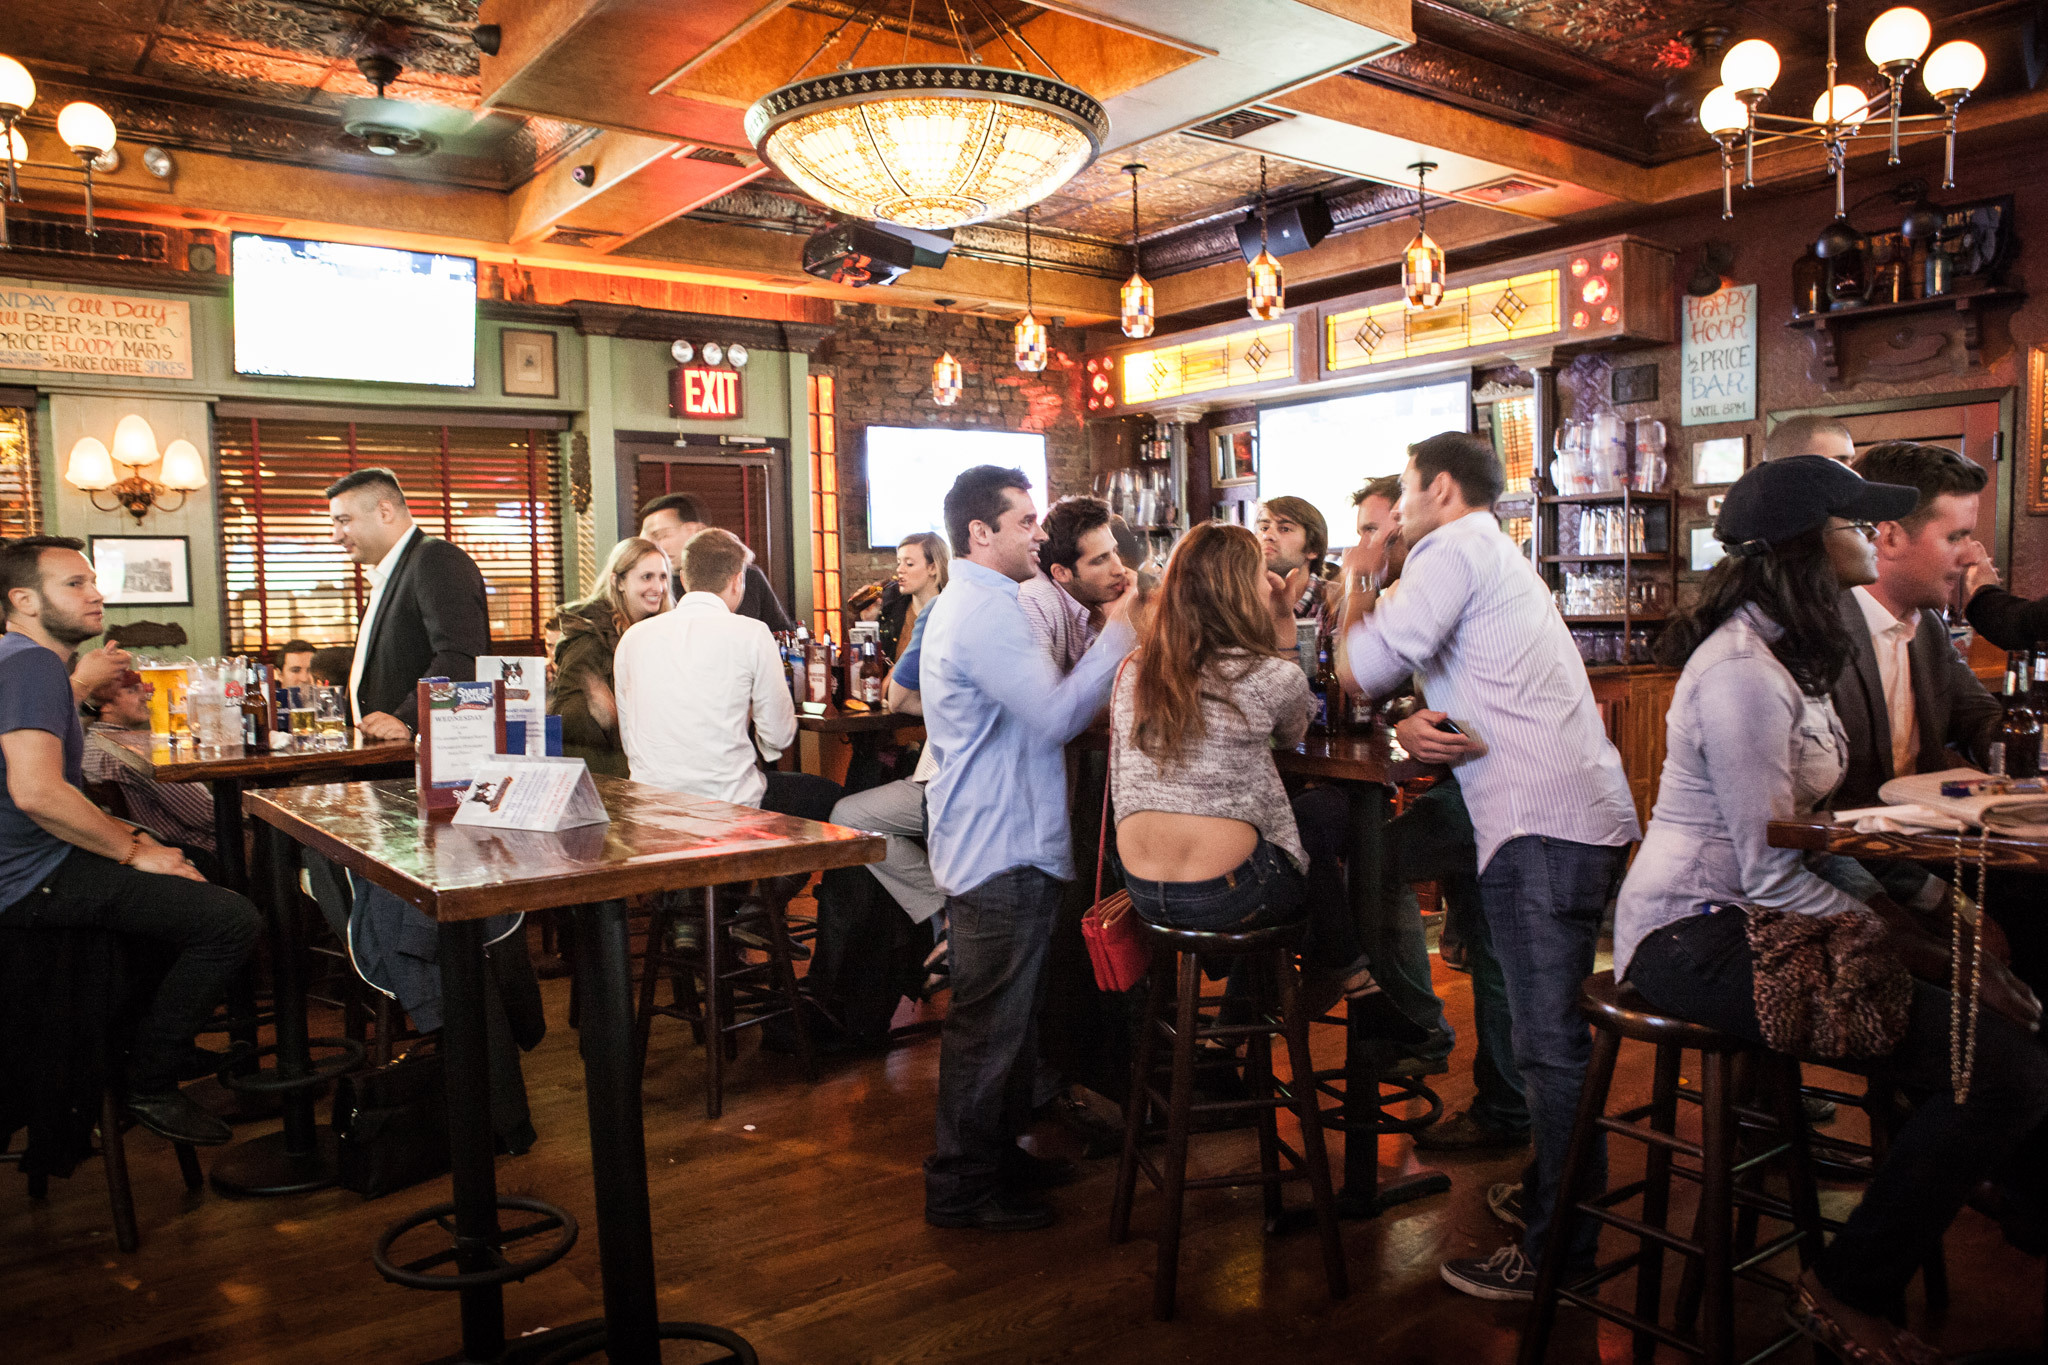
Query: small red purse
[{"x": 1116, "y": 942}]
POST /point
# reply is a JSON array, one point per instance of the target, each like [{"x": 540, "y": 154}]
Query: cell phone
[{"x": 1448, "y": 726}]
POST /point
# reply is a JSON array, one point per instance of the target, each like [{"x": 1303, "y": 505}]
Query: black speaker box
[{"x": 1288, "y": 230}]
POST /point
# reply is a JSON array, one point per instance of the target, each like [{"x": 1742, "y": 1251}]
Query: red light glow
[
  {"x": 1610, "y": 260},
  {"x": 1579, "y": 319},
  {"x": 1610, "y": 314},
  {"x": 1594, "y": 290},
  {"x": 1580, "y": 267},
  {"x": 1100, "y": 383}
]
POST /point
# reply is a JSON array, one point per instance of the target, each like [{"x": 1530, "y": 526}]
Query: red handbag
[{"x": 1116, "y": 942}]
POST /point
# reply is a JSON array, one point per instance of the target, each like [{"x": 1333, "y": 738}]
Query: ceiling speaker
[{"x": 1296, "y": 227}]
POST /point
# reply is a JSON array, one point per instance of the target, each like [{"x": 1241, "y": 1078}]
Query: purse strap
[{"x": 1108, "y": 777}]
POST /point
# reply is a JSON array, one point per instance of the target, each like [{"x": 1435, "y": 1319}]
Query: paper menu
[
  {"x": 515, "y": 792},
  {"x": 461, "y": 727},
  {"x": 526, "y": 692}
]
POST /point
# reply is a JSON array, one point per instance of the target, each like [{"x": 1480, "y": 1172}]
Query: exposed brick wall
[{"x": 882, "y": 357}]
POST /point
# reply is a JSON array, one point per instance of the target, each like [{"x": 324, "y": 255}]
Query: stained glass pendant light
[
  {"x": 1028, "y": 336},
  {"x": 1265, "y": 286},
  {"x": 946, "y": 373},
  {"x": 928, "y": 144},
  {"x": 1138, "y": 316},
  {"x": 1422, "y": 264}
]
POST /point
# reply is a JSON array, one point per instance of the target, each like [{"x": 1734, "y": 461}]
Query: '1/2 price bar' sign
[
  {"x": 1717, "y": 355},
  {"x": 704, "y": 391}
]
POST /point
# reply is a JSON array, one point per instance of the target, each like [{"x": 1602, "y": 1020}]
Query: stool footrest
[
  {"x": 270, "y": 1081},
  {"x": 503, "y": 1270}
]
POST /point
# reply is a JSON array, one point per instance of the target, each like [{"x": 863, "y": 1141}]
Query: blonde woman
[
  {"x": 635, "y": 586},
  {"x": 921, "y": 572}
]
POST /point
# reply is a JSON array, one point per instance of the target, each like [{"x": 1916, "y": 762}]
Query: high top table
[{"x": 459, "y": 875}]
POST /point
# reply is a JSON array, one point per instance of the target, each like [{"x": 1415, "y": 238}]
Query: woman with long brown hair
[
  {"x": 633, "y": 587},
  {"x": 1205, "y": 832}
]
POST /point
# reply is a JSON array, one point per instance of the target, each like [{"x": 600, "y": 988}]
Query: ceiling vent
[
  {"x": 1506, "y": 188},
  {"x": 720, "y": 156},
  {"x": 1236, "y": 124},
  {"x": 570, "y": 236}
]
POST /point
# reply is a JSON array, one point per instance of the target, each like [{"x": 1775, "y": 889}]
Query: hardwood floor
[{"x": 795, "y": 1220}]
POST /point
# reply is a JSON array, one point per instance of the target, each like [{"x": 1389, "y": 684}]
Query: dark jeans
[
  {"x": 1545, "y": 901},
  {"x": 804, "y": 795},
  {"x": 209, "y": 928},
  {"x": 1700, "y": 969},
  {"x": 988, "y": 1048}
]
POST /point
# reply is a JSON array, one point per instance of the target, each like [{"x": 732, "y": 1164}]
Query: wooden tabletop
[
  {"x": 166, "y": 762},
  {"x": 656, "y": 841},
  {"x": 1370, "y": 756},
  {"x": 1822, "y": 835},
  {"x": 840, "y": 722}
]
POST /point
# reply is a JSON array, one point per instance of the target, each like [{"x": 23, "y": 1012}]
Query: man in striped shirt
[
  {"x": 179, "y": 813},
  {"x": 1550, "y": 804}
]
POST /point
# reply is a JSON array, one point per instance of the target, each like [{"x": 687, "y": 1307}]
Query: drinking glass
[
  {"x": 166, "y": 696},
  {"x": 1651, "y": 468},
  {"x": 300, "y": 714},
  {"x": 330, "y": 721}
]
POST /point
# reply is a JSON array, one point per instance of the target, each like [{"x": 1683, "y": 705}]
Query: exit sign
[{"x": 705, "y": 392}]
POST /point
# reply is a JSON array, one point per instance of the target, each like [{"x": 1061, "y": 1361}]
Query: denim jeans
[
  {"x": 1700, "y": 969},
  {"x": 1545, "y": 900},
  {"x": 988, "y": 1048},
  {"x": 209, "y": 930}
]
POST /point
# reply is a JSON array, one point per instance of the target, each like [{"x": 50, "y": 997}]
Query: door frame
[{"x": 699, "y": 448}]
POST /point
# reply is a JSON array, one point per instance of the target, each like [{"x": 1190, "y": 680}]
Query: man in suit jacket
[
  {"x": 670, "y": 521},
  {"x": 426, "y": 617}
]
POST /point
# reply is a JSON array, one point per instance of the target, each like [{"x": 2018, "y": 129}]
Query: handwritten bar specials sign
[
  {"x": 55, "y": 329},
  {"x": 1717, "y": 357}
]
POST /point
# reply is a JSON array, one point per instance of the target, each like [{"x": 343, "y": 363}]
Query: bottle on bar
[
  {"x": 2020, "y": 731},
  {"x": 1327, "y": 691},
  {"x": 255, "y": 688},
  {"x": 872, "y": 675},
  {"x": 817, "y": 673}
]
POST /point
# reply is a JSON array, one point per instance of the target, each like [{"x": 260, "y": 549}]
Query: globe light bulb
[
  {"x": 17, "y": 87},
  {"x": 183, "y": 469},
  {"x": 1898, "y": 36},
  {"x": 134, "y": 442},
  {"x": 91, "y": 469},
  {"x": 1751, "y": 64},
  {"x": 1844, "y": 104},
  {"x": 85, "y": 128},
  {"x": 1722, "y": 112},
  {"x": 1953, "y": 70},
  {"x": 17, "y": 145}
]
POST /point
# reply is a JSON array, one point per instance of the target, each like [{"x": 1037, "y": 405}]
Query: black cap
[{"x": 1780, "y": 499}]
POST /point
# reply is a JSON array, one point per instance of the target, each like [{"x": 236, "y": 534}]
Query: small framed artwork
[
  {"x": 2035, "y": 439},
  {"x": 1234, "y": 455},
  {"x": 138, "y": 571},
  {"x": 1706, "y": 551},
  {"x": 1720, "y": 460},
  {"x": 529, "y": 361}
]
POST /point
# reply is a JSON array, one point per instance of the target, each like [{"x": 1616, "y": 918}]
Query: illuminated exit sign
[{"x": 704, "y": 391}]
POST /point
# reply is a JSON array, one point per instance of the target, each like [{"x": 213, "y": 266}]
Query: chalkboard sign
[{"x": 1717, "y": 357}]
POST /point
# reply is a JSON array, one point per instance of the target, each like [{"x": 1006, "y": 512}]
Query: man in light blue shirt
[{"x": 998, "y": 716}]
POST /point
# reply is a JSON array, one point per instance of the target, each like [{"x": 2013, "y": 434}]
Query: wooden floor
[{"x": 795, "y": 1220}]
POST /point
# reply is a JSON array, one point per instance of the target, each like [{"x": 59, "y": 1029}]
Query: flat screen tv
[
  {"x": 910, "y": 469},
  {"x": 1325, "y": 450},
  {"x": 328, "y": 310}
]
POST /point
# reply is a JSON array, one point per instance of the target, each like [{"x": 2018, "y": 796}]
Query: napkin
[{"x": 1899, "y": 820}]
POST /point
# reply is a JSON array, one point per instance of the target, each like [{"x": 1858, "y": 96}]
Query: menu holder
[
  {"x": 526, "y": 692},
  {"x": 461, "y": 727},
  {"x": 514, "y": 791}
]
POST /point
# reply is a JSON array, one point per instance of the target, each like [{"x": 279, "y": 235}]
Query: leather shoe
[
  {"x": 1099, "y": 1136},
  {"x": 1463, "y": 1133},
  {"x": 171, "y": 1114},
  {"x": 1024, "y": 1173},
  {"x": 997, "y": 1213}
]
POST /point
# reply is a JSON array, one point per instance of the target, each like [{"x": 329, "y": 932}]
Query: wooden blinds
[
  {"x": 20, "y": 484},
  {"x": 493, "y": 491}
]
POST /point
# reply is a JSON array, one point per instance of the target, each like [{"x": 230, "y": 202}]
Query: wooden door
[{"x": 735, "y": 491}]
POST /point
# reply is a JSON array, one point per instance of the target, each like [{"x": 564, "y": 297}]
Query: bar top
[
  {"x": 838, "y": 722},
  {"x": 1822, "y": 835},
  {"x": 159, "y": 758},
  {"x": 656, "y": 841}
]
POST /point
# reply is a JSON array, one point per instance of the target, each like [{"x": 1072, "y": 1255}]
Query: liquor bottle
[
  {"x": 1327, "y": 691},
  {"x": 872, "y": 674},
  {"x": 817, "y": 673},
  {"x": 255, "y": 687},
  {"x": 2020, "y": 731}
]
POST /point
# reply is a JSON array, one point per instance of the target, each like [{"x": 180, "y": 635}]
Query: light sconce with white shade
[
  {"x": 95, "y": 468},
  {"x": 86, "y": 129}
]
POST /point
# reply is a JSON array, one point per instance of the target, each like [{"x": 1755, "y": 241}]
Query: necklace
[{"x": 1962, "y": 1033}]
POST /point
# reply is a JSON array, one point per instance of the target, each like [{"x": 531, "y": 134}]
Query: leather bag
[
  {"x": 1116, "y": 942},
  {"x": 391, "y": 1124}
]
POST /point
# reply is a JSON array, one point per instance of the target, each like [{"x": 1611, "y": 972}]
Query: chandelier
[
  {"x": 1264, "y": 286},
  {"x": 1422, "y": 264},
  {"x": 1028, "y": 338},
  {"x": 928, "y": 144},
  {"x": 85, "y": 128},
  {"x": 1733, "y": 111},
  {"x": 1135, "y": 298}
]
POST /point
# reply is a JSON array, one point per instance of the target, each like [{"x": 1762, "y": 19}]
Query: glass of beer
[
  {"x": 300, "y": 711},
  {"x": 330, "y": 722},
  {"x": 166, "y": 697}
]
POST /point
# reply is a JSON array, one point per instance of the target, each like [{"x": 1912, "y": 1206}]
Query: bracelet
[{"x": 134, "y": 846}]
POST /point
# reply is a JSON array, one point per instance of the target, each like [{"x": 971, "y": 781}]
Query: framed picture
[
  {"x": 1706, "y": 551},
  {"x": 2034, "y": 441},
  {"x": 137, "y": 571},
  {"x": 1720, "y": 460},
  {"x": 529, "y": 360},
  {"x": 1234, "y": 455}
]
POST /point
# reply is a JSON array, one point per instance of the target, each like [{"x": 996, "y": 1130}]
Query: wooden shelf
[
  {"x": 1553, "y": 499},
  {"x": 1639, "y": 557},
  {"x": 1970, "y": 305}
]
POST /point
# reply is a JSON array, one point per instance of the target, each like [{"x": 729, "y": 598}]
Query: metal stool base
[
  {"x": 412, "y": 1275},
  {"x": 263, "y": 1167}
]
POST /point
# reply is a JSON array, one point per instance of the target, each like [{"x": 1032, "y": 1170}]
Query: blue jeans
[
  {"x": 1545, "y": 900},
  {"x": 988, "y": 1048},
  {"x": 1265, "y": 888}
]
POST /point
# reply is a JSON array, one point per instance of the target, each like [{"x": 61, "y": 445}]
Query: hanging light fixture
[
  {"x": 1265, "y": 285},
  {"x": 1138, "y": 316},
  {"x": 1422, "y": 264},
  {"x": 928, "y": 144},
  {"x": 1843, "y": 114},
  {"x": 89, "y": 133},
  {"x": 946, "y": 373},
  {"x": 1028, "y": 336},
  {"x": 17, "y": 93}
]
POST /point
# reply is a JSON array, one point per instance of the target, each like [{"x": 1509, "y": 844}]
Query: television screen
[
  {"x": 910, "y": 470},
  {"x": 327, "y": 310},
  {"x": 1325, "y": 450}
]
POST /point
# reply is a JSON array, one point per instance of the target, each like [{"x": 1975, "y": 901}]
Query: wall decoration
[
  {"x": 529, "y": 364},
  {"x": 137, "y": 571},
  {"x": 1706, "y": 550},
  {"x": 2034, "y": 444},
  {"x": 1234, "y": 455},
  {"x": 1635, "y": 384},
  {"x": 57, "y": 329},
  {"x": 1720, "y": 460},
  {"x": 1717, "y": 357}
]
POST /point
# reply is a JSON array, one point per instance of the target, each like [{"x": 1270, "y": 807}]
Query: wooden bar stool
[
  {"x": 1176, "y": 1015},
  {"x": 737, "y": 994},
  {"x": 1617, "y": 1012}
]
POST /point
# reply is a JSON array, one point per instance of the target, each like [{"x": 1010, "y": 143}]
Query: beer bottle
[
  {"x": 872, "y": 674},
  {"x": 2020, "y": 731},
  {"x": 817, "y": 673},
  {"x": 1328, "y": 692},
  {"x": 255, "y": 720}
]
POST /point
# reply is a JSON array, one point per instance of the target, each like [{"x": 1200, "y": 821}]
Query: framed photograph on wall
[
  {"x": 529, "y": 364},
  {"x": 1234, "y": 455},
  {"x": 143, "y": 571},
  {"x": 2034, "y": 443},
  {"x": 1720, "y": 460},
  {"x": 1703, "y": 550}
]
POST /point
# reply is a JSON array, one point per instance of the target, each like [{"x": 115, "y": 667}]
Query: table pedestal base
[
  {"x": 581, "y": 1340},
  {"x": 232, "y": 1106},
  {"x": 265, "y": 1166}
]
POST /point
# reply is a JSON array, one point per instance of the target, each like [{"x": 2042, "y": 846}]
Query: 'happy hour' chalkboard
[{"x": 1717, "y": 357}]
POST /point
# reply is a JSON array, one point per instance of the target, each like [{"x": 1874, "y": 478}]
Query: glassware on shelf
[
  {"x": 1651, "y": 468},
  {"x": 1606, "y": 453}
]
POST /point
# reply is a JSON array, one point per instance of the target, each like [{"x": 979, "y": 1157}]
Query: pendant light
[
  {"x": 1265, "y": 288},
  {"x": 946, "y": 373},
  {"x": 1422, "y": 264},
  {"x": 1028, "y": 337},
  {"x": 1137, "y": 292}
]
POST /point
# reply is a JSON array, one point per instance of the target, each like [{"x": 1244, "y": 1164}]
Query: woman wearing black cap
[{"x": 1752, "y": 737}]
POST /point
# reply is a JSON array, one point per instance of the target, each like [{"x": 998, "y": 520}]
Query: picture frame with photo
[
  {"x": 1234, "y": 455},
  {"x": 1719, "y": 460},
  {"x": 1703, "y": 551},
  {"x": 528, "y": 360},
  {"x": 139, "y": 571}
]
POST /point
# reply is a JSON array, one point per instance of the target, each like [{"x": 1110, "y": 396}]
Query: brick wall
[{"x": 882, "y": 357}]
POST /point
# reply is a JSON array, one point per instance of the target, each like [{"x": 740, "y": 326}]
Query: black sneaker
[
  {"x": 1464, "y": 1133},
  {"x": 1506, "y": 1276},
  {"x": 997, "y": 1213},
  {"x": 1504, "y": 1201},
  {"x": 172, "y": 1114}
]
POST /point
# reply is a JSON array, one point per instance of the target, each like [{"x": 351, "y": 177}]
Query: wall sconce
[{"x": 91, "y": 470}]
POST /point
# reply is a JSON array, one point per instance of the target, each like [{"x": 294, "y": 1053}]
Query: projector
[{"x": 857, "y": 254}]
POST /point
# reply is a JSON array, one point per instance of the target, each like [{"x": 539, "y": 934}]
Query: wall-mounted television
[
  {"x": 1326, "y": 449},
  {"x": 910, "y": 469},
  {"x": 329, "y": 310}
]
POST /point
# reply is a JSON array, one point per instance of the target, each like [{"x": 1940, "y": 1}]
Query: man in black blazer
[{"x": 426, "y": 616}]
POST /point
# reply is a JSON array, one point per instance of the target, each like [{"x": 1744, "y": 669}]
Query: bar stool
[
  {"x": 1617, "y": 1012},
  {"x": 737, "y": 994},
  {"x": 1176, "y": 1016}
]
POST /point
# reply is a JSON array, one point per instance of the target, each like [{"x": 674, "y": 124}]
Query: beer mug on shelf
[
  {"x": 1651, "y": 467},
  {"x": 1606, "y": 459}
]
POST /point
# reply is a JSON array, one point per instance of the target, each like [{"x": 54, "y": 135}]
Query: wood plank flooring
[{"x": 795, "y": 1220}]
